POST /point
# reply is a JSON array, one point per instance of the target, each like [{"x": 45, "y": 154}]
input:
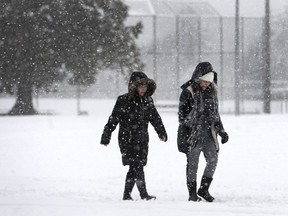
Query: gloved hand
[
  {"x": 105, "y": 144},
  {"x": 164, "y": 138},
  {"x": 104, "y": 140},
  {"x": 224, "y": 137}
]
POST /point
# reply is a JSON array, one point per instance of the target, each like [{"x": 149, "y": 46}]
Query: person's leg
[
  {"x": 211, "y": 157},
  {"x": 141, "y": 183},
  {"x": 129, "y": 183},
  {"x": 191, "y": 173}
]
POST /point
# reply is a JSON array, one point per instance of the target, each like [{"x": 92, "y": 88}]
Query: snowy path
[{"x": 54, "y": 165}]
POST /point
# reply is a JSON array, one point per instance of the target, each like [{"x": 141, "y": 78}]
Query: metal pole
[
  {"x": 78, "y": 98},
  {"x": 37, "y": 97},
  {"x": 267, "y": 75},
  {"x": 199, "y": 27},
  {"x": 221, "y": 80},
  {"x": 155, "y": 48},
  {"x": 237, "y": 62},
  {"x": 177, "y": 56},
  {"x": 242, "y": 93},
  {"x": 155, "y": 55}
]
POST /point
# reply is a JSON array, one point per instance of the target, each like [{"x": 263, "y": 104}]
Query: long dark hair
[{"x": 212, "y": 88}]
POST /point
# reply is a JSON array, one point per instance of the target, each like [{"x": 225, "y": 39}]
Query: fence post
[
  {"x": 177, "y": 56},
  {"x": 237, "y": 62},
  {"x": 221, "y": 60},
  {"x": 199, "y": 29},
  {"x": 78, "y": 95},
  {"x": 267, "y": 60},
  {"x": 155, "y": 48},
  {"x": 242, "y": 93}
]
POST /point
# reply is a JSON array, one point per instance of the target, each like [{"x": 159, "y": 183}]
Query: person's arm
[
  {"x": 112, "y": 123},
  {"x": 184, "y": 105},
  {"x": 221, "y": 131},
  {"x": 220, "y": 128},
  {"x": 184, "y": 132},
  {"x": 157, "y": 123}
]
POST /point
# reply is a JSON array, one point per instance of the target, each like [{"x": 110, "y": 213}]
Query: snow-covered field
[{"x": 55, "y": 166}]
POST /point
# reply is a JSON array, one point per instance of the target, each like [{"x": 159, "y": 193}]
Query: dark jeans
[{"x": 211, "y": 156}]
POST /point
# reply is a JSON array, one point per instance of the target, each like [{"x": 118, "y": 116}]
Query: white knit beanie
[{"x": 207, "y": 77}]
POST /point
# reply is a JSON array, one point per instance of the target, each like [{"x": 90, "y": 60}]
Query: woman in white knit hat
[{"x": 199, "y": 125}]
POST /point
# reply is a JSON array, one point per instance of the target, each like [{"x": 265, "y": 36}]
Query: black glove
[
  {"x": 104, "y": 143},
  {"x": 163, "y": 137},
  {"x": 224, "y": 137},
  {"x": 104, "y": 140}
]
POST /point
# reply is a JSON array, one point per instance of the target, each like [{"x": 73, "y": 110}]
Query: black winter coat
[
  {"x": 133, "y": 113},
  {"x": 208, "y": 119}
]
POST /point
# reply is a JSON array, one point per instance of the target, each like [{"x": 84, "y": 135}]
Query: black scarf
[{"x": 203, "y": 114}]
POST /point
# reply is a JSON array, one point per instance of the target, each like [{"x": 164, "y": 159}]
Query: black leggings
[{"x": 136, "y": 172}]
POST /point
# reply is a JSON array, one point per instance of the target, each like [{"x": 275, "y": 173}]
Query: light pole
[
  {"x": 267, "y": 60},
  {"x": 237, "y": 60}
]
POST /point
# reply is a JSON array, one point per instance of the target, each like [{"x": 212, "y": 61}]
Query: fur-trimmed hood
[
  {"x": 139, "y": 78},
  {"x": 201, "y": 69}
]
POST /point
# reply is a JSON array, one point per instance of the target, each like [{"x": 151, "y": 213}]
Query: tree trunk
[{"x": 24, "y": 104}]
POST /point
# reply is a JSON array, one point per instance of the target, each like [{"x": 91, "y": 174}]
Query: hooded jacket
[
  {"x": 198, "y": 110},
  {"x": 133, "y": 114}
]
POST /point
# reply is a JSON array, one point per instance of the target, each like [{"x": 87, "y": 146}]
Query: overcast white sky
[{"x": 248, "y": 8}]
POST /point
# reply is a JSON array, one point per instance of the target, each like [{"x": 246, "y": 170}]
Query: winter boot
[
  {"x": 204, "y": 187},
  {"x": 192, "y": 192},
  {"x": 129, "y": 184},
  {"x": 142, "y": 190}
]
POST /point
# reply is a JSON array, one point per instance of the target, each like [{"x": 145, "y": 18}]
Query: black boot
[
  {"x": 142, "y": 190},
  {"x": 204, "y": 187},
  {"x": 192, "y": 192},
  {"x": 129, "y": 184}
]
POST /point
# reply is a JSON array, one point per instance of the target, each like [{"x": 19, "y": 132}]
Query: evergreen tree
[{"x": 41, "y": 42}]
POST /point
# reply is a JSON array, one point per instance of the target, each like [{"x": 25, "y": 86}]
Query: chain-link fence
[{"x": 172, "y": 46}]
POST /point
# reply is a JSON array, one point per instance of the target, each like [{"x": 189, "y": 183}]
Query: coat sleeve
[
  {"x": 184, "y": 132},
  {"x": 156, "y": 122},
  {"x": 113, "y": 121},
  {"x": 184, "y": 105},
  {"x": 219, "y": 128}
]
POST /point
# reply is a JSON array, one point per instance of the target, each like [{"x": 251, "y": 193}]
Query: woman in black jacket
[
  {"x": 133, "y": 111},
  {"x": 199, "y": 125}
]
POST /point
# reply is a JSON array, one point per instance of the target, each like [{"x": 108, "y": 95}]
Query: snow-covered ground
[{"x": 54, "y": 166}]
